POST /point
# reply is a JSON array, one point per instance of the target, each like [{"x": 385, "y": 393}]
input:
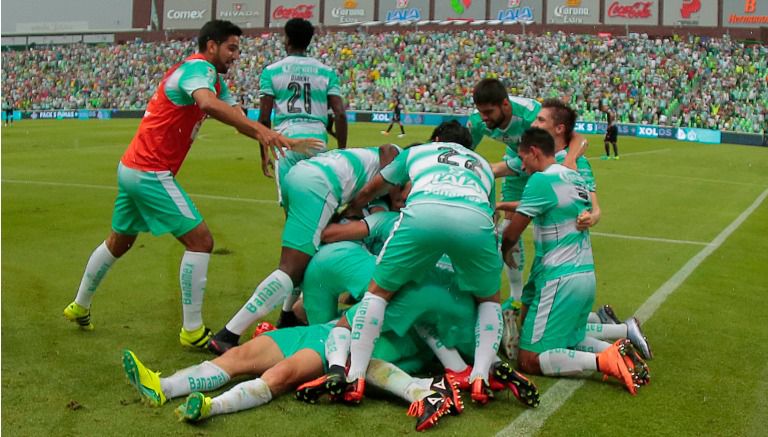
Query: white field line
[
  {"x": 647, "y": 152},
  {"x": 661, "y": 240},
  {"x": 530, "y": 422},
  {"x": 114, "y": 188}
]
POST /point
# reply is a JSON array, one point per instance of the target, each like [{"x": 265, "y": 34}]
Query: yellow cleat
[
  {"x": 197, "y": 338},
  {"x": 197, "y": 407},
  {"x": 146, "y": 381},
  {"x": 79, "y": 314}
]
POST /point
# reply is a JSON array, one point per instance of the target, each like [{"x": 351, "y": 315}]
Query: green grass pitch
[{"x": 664, "y": 203}]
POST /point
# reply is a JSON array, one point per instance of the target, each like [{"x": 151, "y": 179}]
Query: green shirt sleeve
[
  {"x": 476, "y": 128},
  {"x": 397, "y": 172},
  {"x": 538, "y": 197}
]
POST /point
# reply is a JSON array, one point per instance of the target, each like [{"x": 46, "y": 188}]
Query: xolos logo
[{"x": 380, "y": 117}]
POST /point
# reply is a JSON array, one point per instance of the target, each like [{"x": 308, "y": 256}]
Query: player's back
[
  {"x": 450, "y": 173},
  {"x": 301, "y": 86}
]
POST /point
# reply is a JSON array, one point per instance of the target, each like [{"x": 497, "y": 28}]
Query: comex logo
[{"x": 459, "y": 6}]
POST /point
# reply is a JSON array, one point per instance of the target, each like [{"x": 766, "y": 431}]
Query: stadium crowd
[{"x": 693, "y": 82}]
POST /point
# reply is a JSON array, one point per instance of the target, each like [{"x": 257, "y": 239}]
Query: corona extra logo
[
  {"x": 350, "y": 4},
  {"x": 573, "y": 3}
]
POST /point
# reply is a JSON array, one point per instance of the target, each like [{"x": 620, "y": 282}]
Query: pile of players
[{"x": 408, "y": 237}]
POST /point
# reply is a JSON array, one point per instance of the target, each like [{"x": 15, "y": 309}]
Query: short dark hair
[
  {"x": 539, "y": 138},
  {"x": 217, "y": 31},
  {"x": 452, "y": 132},
  {"x": 489, "y": 91},
  {"x": 562, "y": 114},
  {"x": 299, "y": 32}
]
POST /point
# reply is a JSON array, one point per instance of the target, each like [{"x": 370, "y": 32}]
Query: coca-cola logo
[
  {"x": 690, "y": 7},
  {"x": 300, "y": 11},
  {"x": 635, "y": 10}
]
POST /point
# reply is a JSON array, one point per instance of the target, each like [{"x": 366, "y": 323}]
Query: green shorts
[
  {"x": 336, "y": 268},
  {"x": 296, "y": 130},
  {"x": 425, "y": 232},
  {"x": 512, "y": 187},
  {"x": 408, "y": 352},
  {"x": 451, "y": 314},
  {"x": 152, "y": 201},
  {"x": 557, "y": 316},
  {"x": 292, "y": 340},
  {"x": 310, "y": 202}
]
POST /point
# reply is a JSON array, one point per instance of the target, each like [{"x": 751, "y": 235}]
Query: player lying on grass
[
  {"x": 281, "y": 359},
  {"x": 561, "y": 288}
]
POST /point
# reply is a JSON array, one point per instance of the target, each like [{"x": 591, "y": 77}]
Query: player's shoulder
[{"x": 524, "y": 103}]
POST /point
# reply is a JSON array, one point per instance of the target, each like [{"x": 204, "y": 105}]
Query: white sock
[
  {"x": 592, "y": 344},
  {"x": 607, "y": 331},
  {"x": 98, "y": 264},
  {"x": 366, "y": 327},
  {"x": 514, "y": 276},
  {"x": 193, "y": 275},
  {"x": 567, "y": 362},
  {"x": 391, "y": 378},
  {"x": 205, "y": 376},
  {"x": 593, "y": 318},
  {"x": 291, "y": 299},
  {"x": 243, "y": 396},
  {"x": 266, "y": 297},
  {"x": 449, "y": 357},
  {"x": 488, "y": 329},
  {"x": 337, "y": 346}
]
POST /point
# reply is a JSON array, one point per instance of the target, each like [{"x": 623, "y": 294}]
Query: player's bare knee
[{"x": 528, "y": 362}]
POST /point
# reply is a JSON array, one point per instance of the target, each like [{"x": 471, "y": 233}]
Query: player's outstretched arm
[
  {"x": 340, "y": 120},
  {"x": 501, "y": 169},
  {"x": 576, "y": 148},
  {"x": 510, "y": 237},
  {"x": 373, "y": 189},
  {"x": 350, "y": 231},
  {"x": 587, "y": 219},
  {"x": 266, "y": 103},
  {"x": 210, "y": 104}
]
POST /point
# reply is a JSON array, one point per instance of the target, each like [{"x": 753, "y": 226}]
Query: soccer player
[
  {"x": 611, "y": 136},
  {"x": 504, "y": 118},
  {"x": 561, "y": 289},
  {"x": 150, "y": 199},
  {"x": 397, "y": 109},
  {"x": 448, "y": 211},
  {"x": 300, "y": 89},
  {"x": 281, "y": 359},
  {"x": 8, "y": 111},
  {"x": 312, "y": 191}
]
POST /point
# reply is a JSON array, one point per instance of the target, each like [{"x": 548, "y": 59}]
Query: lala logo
[
  {"x": 513, "y": 3},
  {"x": 402, "y": 4},
  {"x": 459, "y": 6},
  {"x": 689, "y": 7}
]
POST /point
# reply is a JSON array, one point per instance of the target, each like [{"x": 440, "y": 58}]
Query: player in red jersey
[{"x": 150, "y": 199}]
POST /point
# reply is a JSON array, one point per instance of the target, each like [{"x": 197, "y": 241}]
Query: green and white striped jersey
[
  {"x": 524, "y": 112},
  {"x": 301, "y": 86},
  {"x": 445, "y": 173},
  {"x": 191, "y": 76},
  {"x": 582, "y": 166},
  {"x": 347, "y": 170},
  {"x": 554, "y": 198}
]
